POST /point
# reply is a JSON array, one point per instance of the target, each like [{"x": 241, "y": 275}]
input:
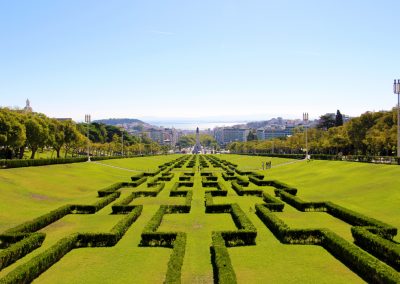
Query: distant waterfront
[{"x": 191, "y": 125}]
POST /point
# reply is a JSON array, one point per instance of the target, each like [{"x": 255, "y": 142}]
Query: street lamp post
[
  {"x": 396, "y": 90},
  {"x": 305, "y": 119},
  {"x": 87, "y": 120},
  {"x": 122, "y": 134}
]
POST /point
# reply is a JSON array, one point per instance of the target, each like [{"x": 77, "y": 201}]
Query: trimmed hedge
[
  {"x": 257, "y": 180},
  {"x": 110, "y": 189},
  {"x": 137, "y": 177},
  {"x": 366, "y": 266},
  {"x": 272, "y": 203},
  {"x": 176, "y": 259},
  {"x": 28, "y": 271},
  {"x": 240, "y": 191},
  {"x": 222, "y": 266},
  {"x": 41, "y": 221},
  {"x": 91, "y": 209},
  {"x": 385, "y": 250},
  {"x": 20, "y": 249},
  {"x": 242, "y": 181},
  {"x": 357, "y": 219},
  {"x": 301, "y": 205},
  {"x": 18, "y": 163},
  {"x": 227, "y": 176}
]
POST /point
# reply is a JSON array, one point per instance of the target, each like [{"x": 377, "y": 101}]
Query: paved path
[{"x": 115, "y": 167}]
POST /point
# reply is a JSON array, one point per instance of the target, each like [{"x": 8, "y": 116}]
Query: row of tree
[
  {"x": 187, "y": 141},
  {"x": 373, "y": 133},
  {"x": 21, "y": 130}
]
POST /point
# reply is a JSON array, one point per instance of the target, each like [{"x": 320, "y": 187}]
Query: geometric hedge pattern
[{"x": 374, "y": 256}]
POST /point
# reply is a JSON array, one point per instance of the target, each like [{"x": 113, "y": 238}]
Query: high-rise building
[{"x": 225, "y": 135}]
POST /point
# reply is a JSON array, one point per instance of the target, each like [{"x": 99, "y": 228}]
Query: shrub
[
  {"x": 386, "y": 250},
  {"x": 300, "y": 204},
  {"x": 272, "y": 203},
  {"x": 240, "y": 191},
  {"x": 222, "y": 266},
  {"x": 20, "y": 249},
  {"x": 41, "y": 221},
  {"x": 369, "y": 268},
  {"x": 137, "y": 177},
  {"x": 28, "y": 271},
  {"x": 176, "y": 260},
  {"x": 357, "y": 219},
  {"x": 257, "y": 180}
]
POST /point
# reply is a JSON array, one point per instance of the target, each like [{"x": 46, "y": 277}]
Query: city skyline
[{"x": 175, "y": 60}]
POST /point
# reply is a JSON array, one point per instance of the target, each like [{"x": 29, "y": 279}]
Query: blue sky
[{"x": 180, "y": 59}]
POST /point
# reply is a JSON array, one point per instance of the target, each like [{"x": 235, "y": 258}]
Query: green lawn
[
  {"x": 370, "y": 189},
  {"x": 33, "y": 191},
  {"x": 30, "y": 192}
]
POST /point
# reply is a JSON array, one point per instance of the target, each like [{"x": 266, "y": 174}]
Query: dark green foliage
[
  {"x": 222, "y": 266},
  {"x": 357, "y": 219},
  {"x": 20, "y": 249},
  {"x": 42, "y": 221},
  {"x": 226, "y": 176},
  {"x": 366, "y": 266},
  {"x": 243, "y": 173},
  {"x": 242, "y": 181},
  {"x": 301, "y": 205},
  {"x": 176, "y": 260},
  {"x": 369, "y": 268},
  {"x": 28, "y": 271},
  {"x": 45, "y": 162},
  {"x": 137, "y": 177},
  {"x": 12, "y": 238},
  {"x": 38, "y": 162},
  {"x": 384, "y": 249},
  {"x": 123, "y": 206},
  {"x": 272, "y": 203},
  {"x": 257, "y": 181},
  {"x": 152, "y": 174},
  {"x": 185, "y": 178},
  {"x": 206, "y": 183},
  {"x": 138, "y": 182},
  {"x": 91, "y": 209},
  {"x": 122, "y": 226},
  {"x": 240, "y": 191},
  {"x": 110, "y": 189}
]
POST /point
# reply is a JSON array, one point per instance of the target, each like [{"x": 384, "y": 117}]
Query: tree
[
  {"x": 12, "y": 132},
  {"x": 37, "y": 133},
  {"x": 252, "y": 136},
  {"x": 186, "y": 141},
  {"x": 326, "y": 121},
  {"x": 339, "y": 118},
  {"x": 72, "y": 136}
]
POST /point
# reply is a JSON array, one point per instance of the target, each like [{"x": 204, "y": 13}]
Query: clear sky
[{"x": 163, "y": 59}]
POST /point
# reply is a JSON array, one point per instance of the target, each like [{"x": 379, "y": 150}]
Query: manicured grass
[
  {"x": 31, "y": 192},
  {"x": 368, "y": 189}
]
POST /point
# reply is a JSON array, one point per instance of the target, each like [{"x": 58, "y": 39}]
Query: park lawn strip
[
  {"x": 370, "y": 189},
  {"x": 268, "y": 259},
  {"x": 34, "y": 191},
  {"x": 68, "y": 225},
  {"x": 121, "y": 263}
]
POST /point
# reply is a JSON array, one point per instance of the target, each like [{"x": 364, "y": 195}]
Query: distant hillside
[
  {"x": 118, "y": 121},
  {"x": 130, "y": 124}
]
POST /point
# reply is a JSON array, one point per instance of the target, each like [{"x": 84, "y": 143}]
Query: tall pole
[
  {"x": 87, "y": 120},
  {"x": 273, "y": 142},
  {"x": 122, "y": 143},
  {"x": 396, "y": 90},
  {"x": 305, "y": 119}
]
